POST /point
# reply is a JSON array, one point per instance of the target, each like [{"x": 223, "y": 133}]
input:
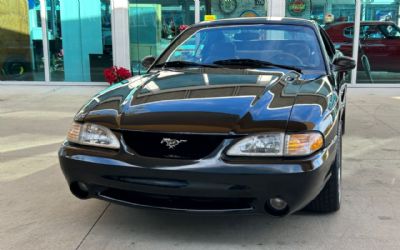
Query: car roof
[{"x": 257, "y": 20}]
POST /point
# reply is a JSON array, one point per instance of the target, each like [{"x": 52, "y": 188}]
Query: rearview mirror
[
  {"x": 147, "y": 61},
  {"x": 343, "y": 64}
]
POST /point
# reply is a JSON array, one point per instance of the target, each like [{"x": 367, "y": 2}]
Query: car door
[
  {"x": 374, "y": 45},
  {"x": 392, "y": 46}
]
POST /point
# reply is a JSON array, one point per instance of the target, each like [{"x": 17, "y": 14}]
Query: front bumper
[{"x": 213, "y": 184}]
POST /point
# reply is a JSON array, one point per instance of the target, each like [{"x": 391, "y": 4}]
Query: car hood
[{"x": 212, "y": 101}]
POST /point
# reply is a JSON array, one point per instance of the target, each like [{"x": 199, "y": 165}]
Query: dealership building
[{"x": 72, "y": 41}]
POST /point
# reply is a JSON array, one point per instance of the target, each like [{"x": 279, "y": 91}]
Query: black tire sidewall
[{"x": 11, "y": 67}]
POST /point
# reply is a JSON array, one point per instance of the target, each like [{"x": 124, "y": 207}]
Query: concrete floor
[{"x": 37, "y": 210}]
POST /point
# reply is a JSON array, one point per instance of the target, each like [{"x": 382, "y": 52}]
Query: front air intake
[{"x": 171, "y": 145}]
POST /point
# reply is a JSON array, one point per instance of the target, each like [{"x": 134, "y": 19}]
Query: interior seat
[{"x": 219, "y": 51}]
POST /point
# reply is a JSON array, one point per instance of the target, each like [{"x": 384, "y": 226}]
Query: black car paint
[{"x": 228, "y": 102}]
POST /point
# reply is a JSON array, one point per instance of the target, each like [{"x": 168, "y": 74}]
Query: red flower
[
  {"x": 123, "y": 73},
  {"x": 116, "y": 74},
  {"x": 183, "y": 27}
]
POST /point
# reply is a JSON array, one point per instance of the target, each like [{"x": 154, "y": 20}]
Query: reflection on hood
[{"x": 209, "y": 101}]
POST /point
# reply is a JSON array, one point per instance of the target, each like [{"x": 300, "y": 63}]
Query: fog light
[
  {"x": 80, "y": 190},
  {"x": 278, "y": 204},
  {"x": 82, "y": 186}
]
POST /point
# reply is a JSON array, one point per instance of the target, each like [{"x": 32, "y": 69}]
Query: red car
[{"x": 379, "y": 43}]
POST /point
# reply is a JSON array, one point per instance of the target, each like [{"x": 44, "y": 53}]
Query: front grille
[
  {"x": 178, "y": 202},
  {"x": 171, "y": 145}
]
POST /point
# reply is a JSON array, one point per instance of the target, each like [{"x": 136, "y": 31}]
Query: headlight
[
  {"x": 259, "y": 145},
  {"x": 92, "y": 135},
  {"x": 278, "y": 144}
]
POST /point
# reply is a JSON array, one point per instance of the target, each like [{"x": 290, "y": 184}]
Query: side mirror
[
  {"x": 343, "y": 64},
  {"x": 147, "y": 61}
]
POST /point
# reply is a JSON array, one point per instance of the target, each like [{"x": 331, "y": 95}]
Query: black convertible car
[{"x": 238, "y": 115}]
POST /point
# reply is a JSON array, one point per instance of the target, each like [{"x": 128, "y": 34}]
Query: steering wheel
[{"x": 289, "y": 59}]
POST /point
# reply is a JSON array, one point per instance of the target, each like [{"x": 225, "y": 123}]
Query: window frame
[{"x": 329, "y": 46}]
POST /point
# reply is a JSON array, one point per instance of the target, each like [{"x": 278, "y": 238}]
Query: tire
[
  {"x": 14, "y": 68},
  {"x": 330, "y": 197},
  {"x": 344, "y": 122}
]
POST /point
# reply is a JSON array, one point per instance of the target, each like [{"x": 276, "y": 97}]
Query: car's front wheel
[{"x": 330, "y": 197}]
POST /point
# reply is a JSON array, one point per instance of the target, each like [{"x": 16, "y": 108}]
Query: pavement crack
[{"x": 90, "y": 230}]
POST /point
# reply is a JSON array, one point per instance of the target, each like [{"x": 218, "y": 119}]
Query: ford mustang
[{"x": 235, "y": 116}]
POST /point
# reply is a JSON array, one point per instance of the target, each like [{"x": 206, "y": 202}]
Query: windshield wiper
[
  {"x": 254, "y": 64},
  {"x": 185, "y": 64}
]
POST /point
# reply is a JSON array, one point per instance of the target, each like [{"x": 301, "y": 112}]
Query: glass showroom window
[
  {"x": 379, "y": 49},
  {"x": 237, "y": 8},
  {"x": 79, "y": 37},
  {"x": 331, "y": 15},
  {"x": 379, "y": 42},
  {"x": 325, "y": 12},
  {"x": 21, "y": 51},
  {"x": 153, "y": 25}
]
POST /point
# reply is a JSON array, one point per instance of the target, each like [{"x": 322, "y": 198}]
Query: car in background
[
  {"x": 235, "y": 116},
  {"x": 379, "y": 42}
]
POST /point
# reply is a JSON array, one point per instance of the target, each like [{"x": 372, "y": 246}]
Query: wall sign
[
  {"x": 228, "y": 6},
  {"x": 210, "y": 17},
  {"x": 259, "y": 2},
  {"x": 249, "y": 13},
  {"x": 296, "y": 7}
]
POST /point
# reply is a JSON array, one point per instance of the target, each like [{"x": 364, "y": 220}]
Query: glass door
[{"x": 79, "y": 38}]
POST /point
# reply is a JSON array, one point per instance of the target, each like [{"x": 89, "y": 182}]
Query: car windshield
[
  {"x": 250, "y": 46},
  {"x": 391, "y": 31}
]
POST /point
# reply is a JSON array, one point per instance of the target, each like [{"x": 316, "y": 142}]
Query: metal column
[
  {"x": 276, "y": 8},
  {"x": 196, "y": 11},
  {"x": 45, "y": 41},
  {"x": 120, "y": 33},
  {"x": 356, "y": 41}
]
